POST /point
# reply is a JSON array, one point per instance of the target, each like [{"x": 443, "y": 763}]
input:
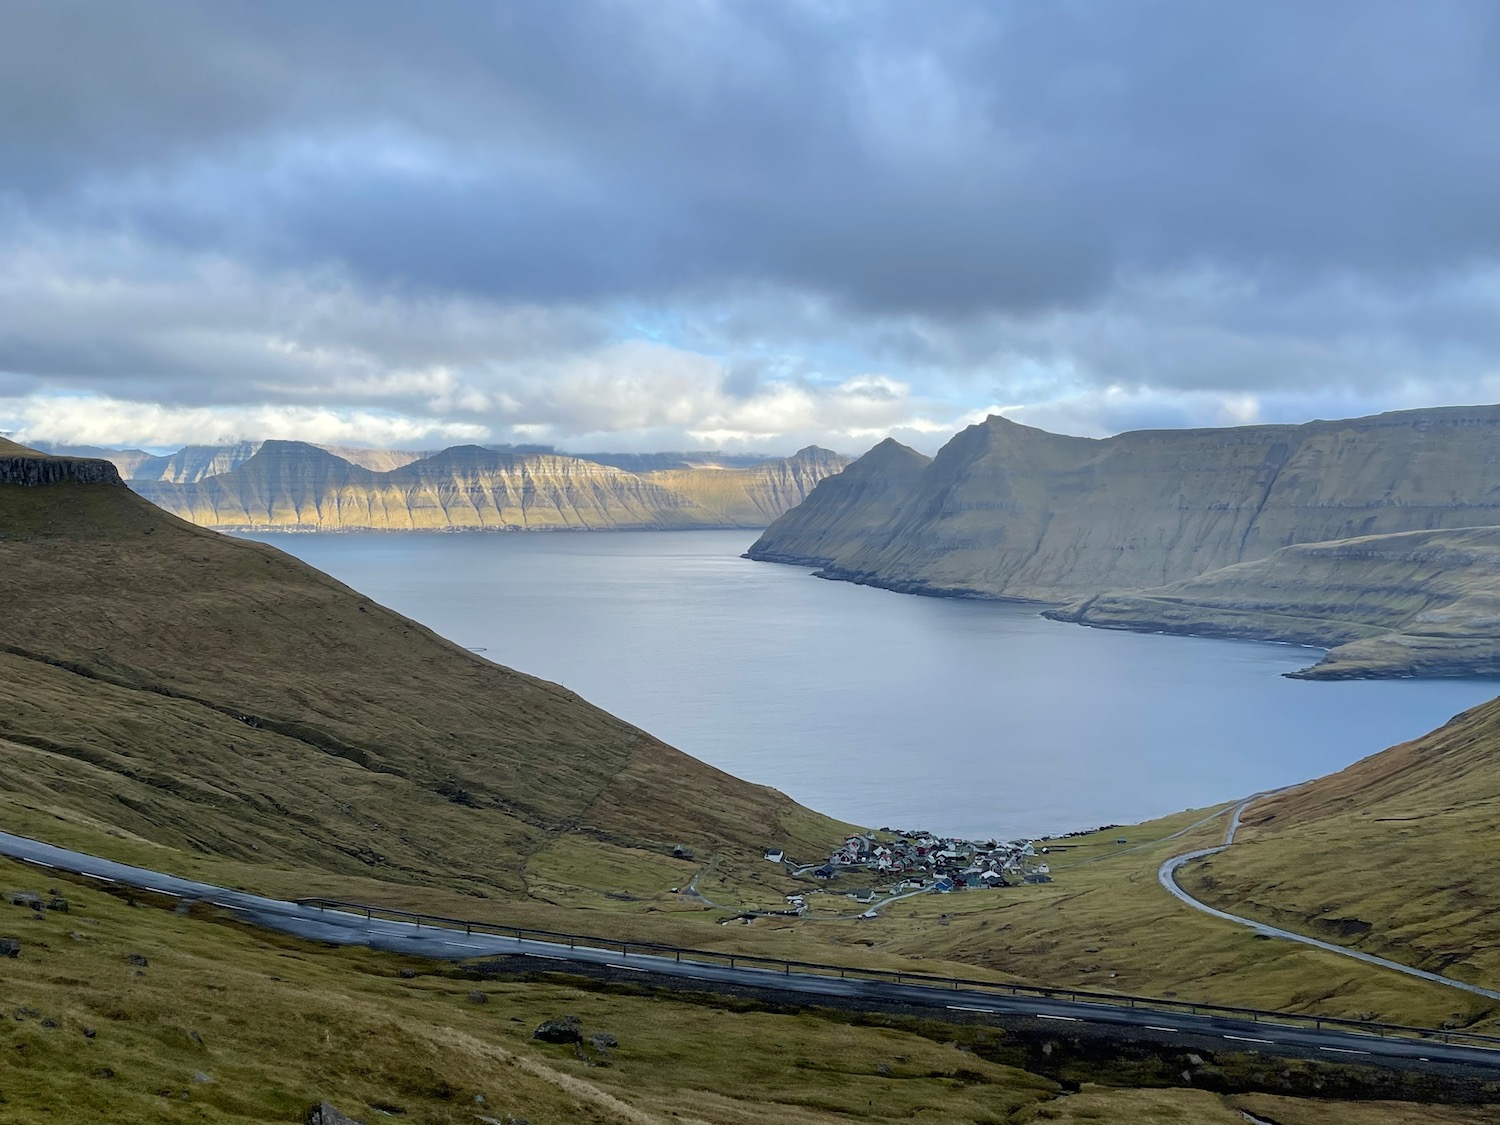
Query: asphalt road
[
  {"x": 1167, "y": 875},
  {"x": 449, "y": 944}
]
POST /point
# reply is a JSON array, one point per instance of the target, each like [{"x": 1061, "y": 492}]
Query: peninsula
[{"x": 1369, "y": 535}]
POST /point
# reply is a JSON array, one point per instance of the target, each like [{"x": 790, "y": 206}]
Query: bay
[{"x": 970, "y": 718}]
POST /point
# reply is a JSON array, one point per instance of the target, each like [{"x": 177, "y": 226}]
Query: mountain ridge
[
  {"x": 1009, "y": 511},
  {"x": 297, "y": 486}
]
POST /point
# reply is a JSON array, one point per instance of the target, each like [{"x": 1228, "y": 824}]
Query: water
[{"x": 970, "y": 718}]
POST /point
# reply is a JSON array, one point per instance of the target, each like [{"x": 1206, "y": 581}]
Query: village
[{"x": 917, "y": 863}]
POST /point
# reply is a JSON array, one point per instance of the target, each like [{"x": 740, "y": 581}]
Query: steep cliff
[
  {"x": 1005, "y": 510},
  {"x": 20, "y": 465},
  {"x": 754, "y": 496},
  {"x": 177, "y": 695},
  {"x": 296, "y": 486},
  {"x": 193, "y": 463},
  {"x": 844, "y": 508},
  {"x": 126, "y": 460},
  {"x": 1418, "y": 603}
]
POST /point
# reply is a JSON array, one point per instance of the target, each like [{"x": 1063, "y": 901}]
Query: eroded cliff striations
[
  {"x": 297, "y": 486},
  {"x": 20, "y": 465}
]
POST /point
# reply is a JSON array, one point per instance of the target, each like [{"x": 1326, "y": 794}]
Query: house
[
  {"x": 1037, "y": 877},
  {"x": 775, "y": 855},
  {"x": 943, "y": 885},
  {"x": 864, "y": 894}
]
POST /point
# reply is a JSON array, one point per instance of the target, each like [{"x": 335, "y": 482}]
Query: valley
[{"x": 217, "y": 709}]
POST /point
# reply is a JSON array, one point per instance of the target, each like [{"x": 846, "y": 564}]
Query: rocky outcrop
[
  {"x": 325, "y": 1114},
  {"x": 297, "y": 486},
  {"x": 1005, "y": 510},
  {"x": 26, "y": 467},
  {"x": 847, "y": 507},
  {"x": 193, "y": 463}
]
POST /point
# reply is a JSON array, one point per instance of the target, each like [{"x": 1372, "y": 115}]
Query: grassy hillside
[
  {"x": 216, "y": 709},
  {"x": 1394, "y": 855},
  {"x": 174, "y": 692},
  {"x": 1419, "y": 603},
  {"x": 123, "y": 1010}
]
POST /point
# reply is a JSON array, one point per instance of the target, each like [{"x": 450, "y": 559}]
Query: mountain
[
  {"x": 755, "y": 495},
  {"x": 190, "y": 463},
  {"x": 193, "y": 463},
  {"x": 848, "y": 507},
  {"x": 1390, "y": 855},
  {"x": 1416, "y": 603},
  {"x": 169, "y": 689},
  {"x": 1112, "y": 525},
  {"x": 125, "y": 460},
  {"x": 297, "y": 486}
]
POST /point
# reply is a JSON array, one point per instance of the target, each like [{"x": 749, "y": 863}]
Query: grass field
[{"x": 129, "y": 1012}]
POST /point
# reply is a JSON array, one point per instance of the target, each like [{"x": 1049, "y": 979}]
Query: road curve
[
  {"x": 1167, "y": 874},
  {"x": 442, "y": 943}
]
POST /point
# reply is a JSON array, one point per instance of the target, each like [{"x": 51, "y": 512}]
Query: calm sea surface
[{"x": 885, "y": 709}]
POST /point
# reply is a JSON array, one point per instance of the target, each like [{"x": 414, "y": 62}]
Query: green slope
[{"x": 170, "y": 688}]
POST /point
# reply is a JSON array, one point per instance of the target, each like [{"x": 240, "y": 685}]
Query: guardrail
[{"x": 787, "y": 967}]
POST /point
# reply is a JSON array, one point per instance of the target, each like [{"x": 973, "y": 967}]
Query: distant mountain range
[
  {"x": 297, "y": 486},
  {"x": 1297, "y": 533}
]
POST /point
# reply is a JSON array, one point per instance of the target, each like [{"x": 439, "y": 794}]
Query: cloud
[
  {"x": 96, "y": 420},
  {"x": 714, "y": 220}
]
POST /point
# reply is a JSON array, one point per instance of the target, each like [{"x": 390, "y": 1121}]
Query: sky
[{"x": 688, "y": 224}]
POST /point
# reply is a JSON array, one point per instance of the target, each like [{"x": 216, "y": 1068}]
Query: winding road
[
  {"x": 1178, "y": 1025},
  {"x": 1167, "y": 874}
]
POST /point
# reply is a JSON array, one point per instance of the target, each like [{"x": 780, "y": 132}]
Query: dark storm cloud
[{"x": 938, "y": 159}]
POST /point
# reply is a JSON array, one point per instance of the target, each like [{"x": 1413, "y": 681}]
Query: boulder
[
  {"x": 10, "y": 947},
  {"x": 325, "y": 1114},
  {"x": 569, "y": 1029}
]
